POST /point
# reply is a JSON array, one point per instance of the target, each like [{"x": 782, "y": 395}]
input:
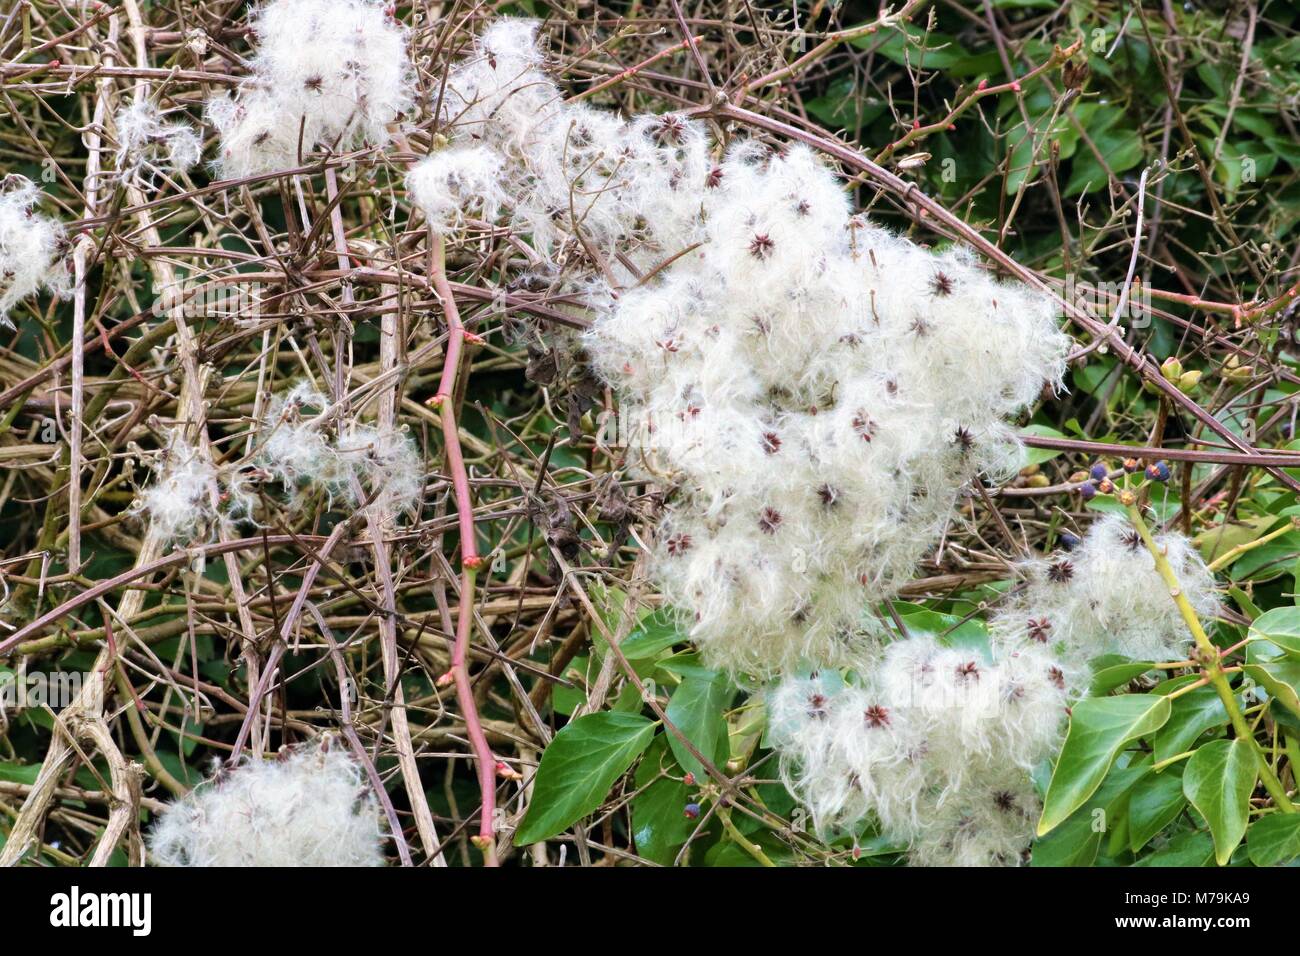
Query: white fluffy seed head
[
  {"x": 330, "y": 73},
  {"x": 301, "y": 448},
  {"x": 817, "y": 391},
  {"x": 148, "y": 144},
  {"x": 308, "y": 807},
  {"x": 1106, "y": 596},
  {"x": 455, "y": 183},
  {"x": 178, "y": 505},
  {"x": 31, "y": 247},
  {"x": 920, "y": 730},
  {"x": 814, "y": 389}
]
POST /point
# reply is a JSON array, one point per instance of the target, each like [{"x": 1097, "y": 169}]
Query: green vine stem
[{"x": 1211, "y": 662}]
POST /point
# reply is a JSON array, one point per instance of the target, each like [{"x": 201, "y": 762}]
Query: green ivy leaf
[
  {"x": 1121, "y": 146},
  {"x": 1155, "y": 803},
  {"x": 1115, "y": 672},
  {"x": 1193, "y": 714},
  {"x": 696, "y": 710},
  {"x": 1036, "y": 456},
  {"x": 1077, "y": 841},
  {"x": 1194, "y": 848},
  {"x": 1274, "y": 839},
  {"x": 654, "y": 633},
  {"x": 579, "y": 768},
  {"x": 1099, "y": 730},
  {"x": 1280, "y": 626},
  {"x": 1280, "y": 678},
  {"x": 1218, "y": 782}
]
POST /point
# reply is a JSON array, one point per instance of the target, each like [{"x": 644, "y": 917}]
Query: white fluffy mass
[
  {"x": 454, "y": 182},
  {"x": 31, "y": 246},
  {"x": 574, "y": 178},
  {"x": 148, "y": 144},
  {"x": 301, "y": 449},
  {"x": 813, "y": 390},
  {"x": 178, "y": 505},
  {"x": 934, "y": 742},
  {"x": 328, "y": 73},
  {"x": 309, "y": 807},
  {"x": 1106, "y": 596}
]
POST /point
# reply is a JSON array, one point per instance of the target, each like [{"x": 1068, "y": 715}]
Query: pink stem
[{"x": 469, "y": 557}]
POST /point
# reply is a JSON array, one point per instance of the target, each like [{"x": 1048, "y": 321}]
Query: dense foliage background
[{"x": 1122, "y": 152}]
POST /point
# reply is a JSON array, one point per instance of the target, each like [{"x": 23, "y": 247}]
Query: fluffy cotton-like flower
[
  {"x": 1106, "y": 596},
  {"x": 147, "y": 144},
  {"x": 453, "y": 182},
  {"x": 326, "y": 72},
  {"x": 300, "y": 448},
  {"x": 916, "y": 738},
  {"x": 178, "y": 505},
  {"x": 989, "y": 823},
  {"x": 816, "y": 391},
  {"x": 387, "y": 463},
  {"x": 31, "y": 246},
  {"x": 309, "y": 807},
  {"x": 570, "y": 172}
]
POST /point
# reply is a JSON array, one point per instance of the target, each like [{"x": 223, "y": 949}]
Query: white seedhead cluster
[
  {"x": 585, "y": 184},
  {"x": 148, "y": 144},
  {"x": 309, "y": 807},
  {"x": 301, "y": 449},
  {"x": 179, "y": 503},
  {"x": 813, "y": 389},
  {"x": 934, "y": 741},
  {"x": 1106, "y": 596},
  {"x": 816, "y": 392},
  {"x": 328, "y": 73},
  {"x": 31, "y": 246}
]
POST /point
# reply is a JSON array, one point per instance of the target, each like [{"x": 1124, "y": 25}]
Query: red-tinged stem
[
  {"x": 487, "y": 763},
  {"x": 469, "y": 557}
]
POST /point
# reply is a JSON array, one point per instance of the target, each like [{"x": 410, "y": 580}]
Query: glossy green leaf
[
  {"x": 1218, "y": 781},
  {"x": 1153, "y": 805},
  {"x": 696, "y": 709},
  {"x": 1193, "y": 714},
  {"x": 659, "y": 822},
  {"x": 653, "y": 634},
  {"x": 578, "y": 769},
  {"x": 1280, "y": 678},
  {"x": 1274, "y": 840},
  {"x": 1281, "y": 627},
  {"x": 1077, "y": 841},
  {"x": 1036, "y": 456},
  {"x": 1099, "y": 729},
  {"x": 1194, "y": 848},
  {"x": 1111, "y": 675}
]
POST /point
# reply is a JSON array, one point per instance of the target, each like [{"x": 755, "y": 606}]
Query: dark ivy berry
[
  {"x": 691, "y": 811},
  {"x": 1105, "y": 486},
  {"x": 1067, "y": 541},
  {"x": 1158, "y": 471},
  {"x": 1131, "y": 465},
  {"x": 1099, "y": 471},
  {"x": 1088, "y": 490}
]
